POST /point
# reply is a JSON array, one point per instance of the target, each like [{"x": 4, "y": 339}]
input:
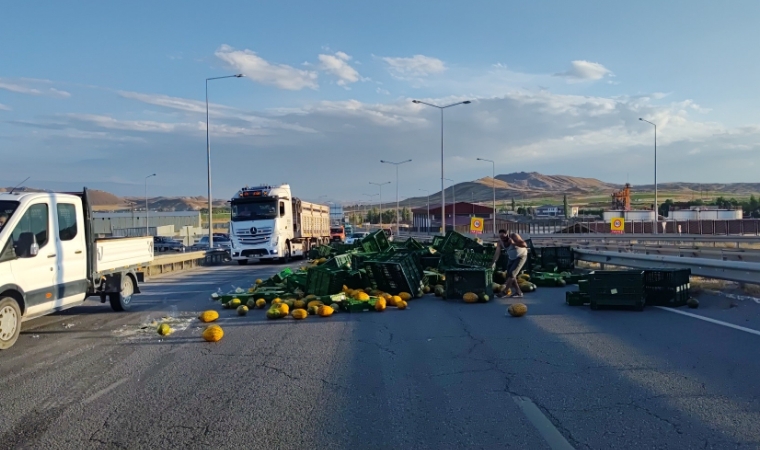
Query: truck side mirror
[{"x": 26, "y": 246}]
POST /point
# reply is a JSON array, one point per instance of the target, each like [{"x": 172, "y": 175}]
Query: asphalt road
[{"x": 440, "y": 375}]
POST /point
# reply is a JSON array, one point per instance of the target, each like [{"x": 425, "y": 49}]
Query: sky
[{"x": 103, "y": 94}]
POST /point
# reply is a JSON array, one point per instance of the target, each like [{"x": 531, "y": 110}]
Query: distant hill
[
  {"x": 105, "y": 201},
  {"x": 533, "y": 185}
]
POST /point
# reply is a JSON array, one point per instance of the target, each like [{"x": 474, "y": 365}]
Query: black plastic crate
[
  {"x": 575, "y": 298},
  {"x": 429, "y": 261},
  {"x": 560, "y": 257},
  {"x": 667, "y": 287},
  {"x": 462, "y": 281},
  {"x": 617, "y": 288},
  {"x": 669, "y": 278}
]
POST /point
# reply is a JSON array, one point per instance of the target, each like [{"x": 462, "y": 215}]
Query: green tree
[
  {"x": 565, "y": 206},
  {"x": 513, "y": 204},
  {"x": 665, "y": 207},
  {"x": 406, "y": 215}
]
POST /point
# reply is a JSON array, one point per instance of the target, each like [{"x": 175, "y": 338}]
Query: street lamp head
[
  {"x": 640, "y": 118},
  {"x": 466, "y": 102},
  {"x": 240, "y": 75},
  {"x": 415, "y": 101}
]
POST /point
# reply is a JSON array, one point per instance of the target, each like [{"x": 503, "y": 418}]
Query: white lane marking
[
  {"x": 545, "y": 428},
  {"x": 104, "y": 391},
  {"x": 707, "y": 319}
]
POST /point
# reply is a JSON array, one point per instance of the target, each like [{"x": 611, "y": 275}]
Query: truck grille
[
  {"x": 249, "y": 237},
  {"x": 254, "y": 240}
]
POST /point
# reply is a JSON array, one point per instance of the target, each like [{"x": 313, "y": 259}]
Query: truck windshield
[
  {"x": 7, "y": 208},
  {"x": 254, "y": 209},
  {"x": 336, "y": 230}
]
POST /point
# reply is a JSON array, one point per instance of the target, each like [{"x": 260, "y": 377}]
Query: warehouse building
[{"x": 463, "y": 210}]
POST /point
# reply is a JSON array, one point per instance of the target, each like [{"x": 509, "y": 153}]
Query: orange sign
[
  {"x": 617, "y": 226},
  {"x": 476, "y": 225}
]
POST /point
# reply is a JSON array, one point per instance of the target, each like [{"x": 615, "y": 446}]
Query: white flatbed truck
[{"x": 50, "y": 260}]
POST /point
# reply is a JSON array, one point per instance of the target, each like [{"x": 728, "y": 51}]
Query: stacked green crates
[
  {"x": 395, "y": 273},
  {"x": 323, "y": 281}
]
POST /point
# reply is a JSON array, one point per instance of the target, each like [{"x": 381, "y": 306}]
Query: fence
[{"x": 746, "y": 227}]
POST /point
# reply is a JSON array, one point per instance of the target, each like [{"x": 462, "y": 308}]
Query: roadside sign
[
  {"x": 617, "y": 226},
  {"x": 476, "y": 225}
]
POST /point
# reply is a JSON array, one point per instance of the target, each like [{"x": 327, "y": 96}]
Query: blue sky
[{"x": 101, "y": 94}]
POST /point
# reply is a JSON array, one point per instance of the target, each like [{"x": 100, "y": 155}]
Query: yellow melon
[
  {"x": 164, "y": 329},
  {"x": 235, "y": 302},
  {"x": 208, "y": 316},
  {"x": 299, "y": 314},
  {"x": 325, "y": 311},
  {"x": 405, "y": 296},
  {"x": 213, "y": 333},
  {"x": 284, "y": 309},
  {"x": 299, "y": 304},
  {"x": 401, "y": 305},
  {"x": 361, "y": 296},
  {"x": 470, "y": 297},
  {"x": 517, "y": 310},
  {"x": 380, "y": 304},
  {"x": 261, "y": 303}
]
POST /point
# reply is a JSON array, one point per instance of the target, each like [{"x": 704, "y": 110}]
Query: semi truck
[
  {"x": 268, "y": 223},
  {"x": 50, "y": 259}
]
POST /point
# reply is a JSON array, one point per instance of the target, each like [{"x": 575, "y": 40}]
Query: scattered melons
[
  {"x": 164, "y": 329},
  {"x": 470, "y": 297},
  {"x": 300, "y": 314},
  {"x": 261, "y": 303},
  {"x": 380, "y": 304},
  {"x": 325, "y": 311},
  {"x": 242, "y": 310}
]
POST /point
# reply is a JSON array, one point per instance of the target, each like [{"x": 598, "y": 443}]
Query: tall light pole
[
  {"x": 656, "y": 205},
  {"x": 428, "y": 208},
  {"x": 147, "y": 228},
  {"x": 398, "y": 226},
  {"x": 493, "y": 181},
  {"x": 367, "y": 208},
  {"x": 453, "y": 205},
  {"x": 380, "y": 185},
  {"x": 443, "y": 195},
  {"x": 208, "y": 157}
]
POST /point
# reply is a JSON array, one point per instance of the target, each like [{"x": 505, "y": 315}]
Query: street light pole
[
  {"x": 398, "y": 226},
  {"x": 656, "y": 205},
  {"x": 453, "y": 204},
  {"x": 208, "y": 158},
  {"x": 443, "y": 195},
  {"x": 147, "y": 228},
  {"x": 493, "y": 181},
  {"x": 428, "y": 208},
  {"x": 380, "y": 185}
]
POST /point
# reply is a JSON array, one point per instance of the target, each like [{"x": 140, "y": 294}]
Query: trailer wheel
[
  {"x": 10, "y": 322},
  {"x": 122, "y": 301},
  {"x": 286, "y": 259}
]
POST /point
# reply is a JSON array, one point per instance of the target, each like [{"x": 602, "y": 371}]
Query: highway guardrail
[{"x": 178, "y": 262}]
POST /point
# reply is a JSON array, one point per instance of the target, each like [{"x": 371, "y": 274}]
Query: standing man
[{"x": 517, "y": 252}]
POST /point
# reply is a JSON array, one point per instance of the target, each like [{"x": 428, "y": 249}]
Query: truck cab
[
  {"x": 49, "y": 260},
  {"x": 268, "y": 223},
  {"x": 337, "y": 233}
]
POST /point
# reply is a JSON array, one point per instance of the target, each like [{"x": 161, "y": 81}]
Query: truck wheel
[
  {"x": 10, "y": 322},
  {"x": 286, "y": 259},
  {"x": 122, "y": 301},
  {"x": 242, "y": 262}
]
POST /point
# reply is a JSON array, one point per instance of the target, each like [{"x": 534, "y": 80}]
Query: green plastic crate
[
  {"x": 461, "y": 281},
  {"x": 395, "y": 273},
  {"x": 325, "y": 282}
]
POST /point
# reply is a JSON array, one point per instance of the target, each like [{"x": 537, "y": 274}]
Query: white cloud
[
  {"x": 258, "y": 69},
  {"x": 4, "y": 107},
  {"x": 581, "y": 70},
  {"x": 338, "y": 65},
  {"x": 415, "y": 66},
  {"x": 26, "y": 86},
  {"x": 382, "y": 91},
  {"x": 521, "y": 129}
]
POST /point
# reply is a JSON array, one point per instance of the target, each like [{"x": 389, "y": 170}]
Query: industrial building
[
  {"x": 104, "y": 223},
  {"x": 463, "y": 210},
  {"x": 705, "y": 213}
]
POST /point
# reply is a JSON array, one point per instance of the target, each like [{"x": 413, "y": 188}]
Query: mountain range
[{"x": 521, "y": 186}]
